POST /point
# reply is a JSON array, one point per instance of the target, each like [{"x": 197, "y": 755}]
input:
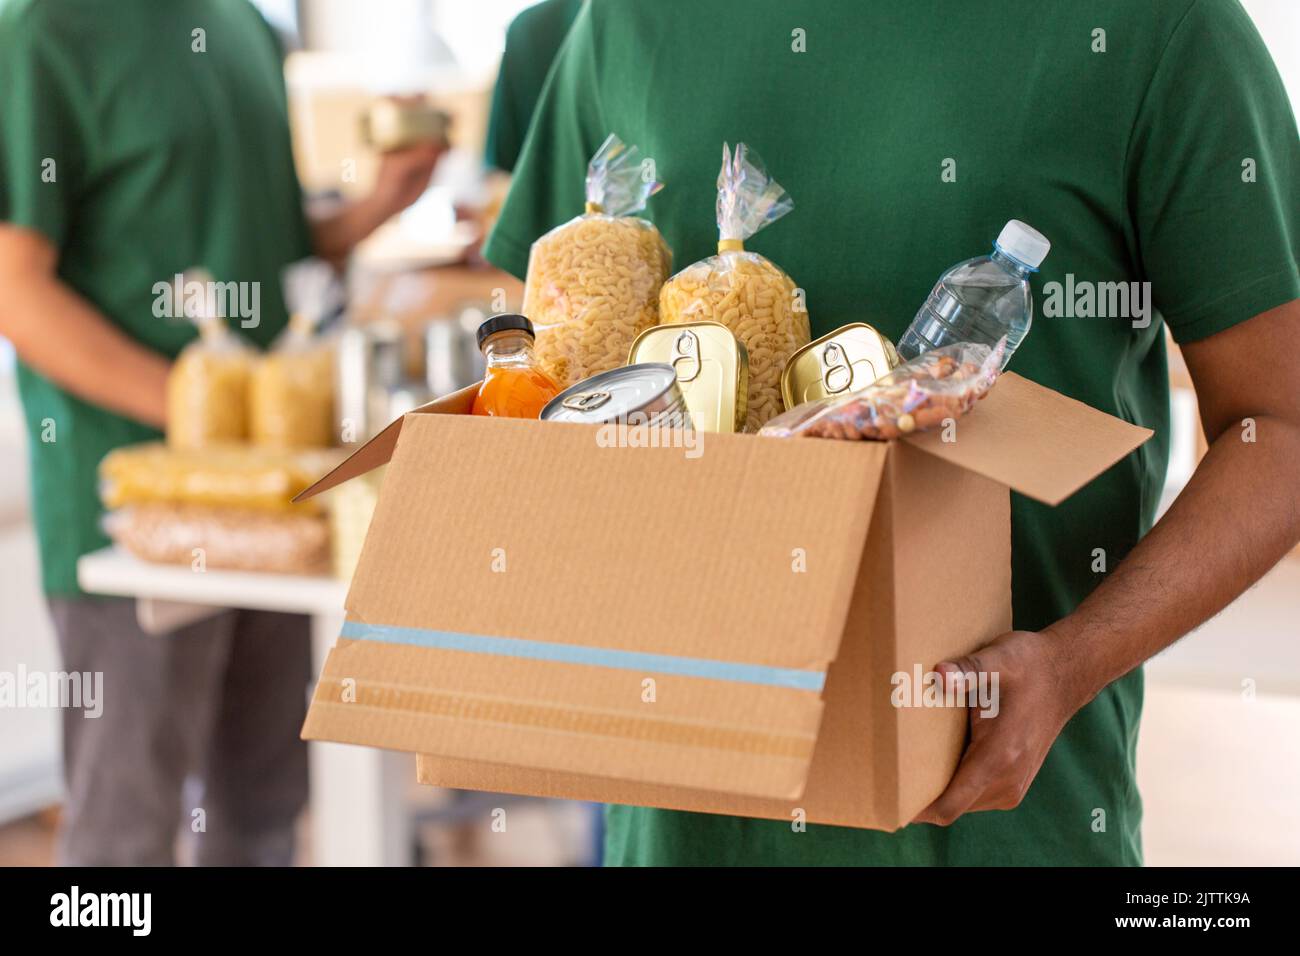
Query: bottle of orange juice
[{"x": 514, "y": 385}]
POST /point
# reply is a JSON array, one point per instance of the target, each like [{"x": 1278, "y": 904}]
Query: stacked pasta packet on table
[
  {"x": 221, "y": 507},
  {"x": 246, "y": 431}
]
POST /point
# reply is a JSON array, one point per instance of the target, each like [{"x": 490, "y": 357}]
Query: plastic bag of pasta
[
  {"x": 593, "y": 282},
  {"x": 239, "y": 476},
  {"x": 743, "y": 290},
  {"x": 932, "y": 389},
  {"x": 207, "y": 388},
  {"x": 222, "y": 538},
  {"x": 291, "y": 393}
]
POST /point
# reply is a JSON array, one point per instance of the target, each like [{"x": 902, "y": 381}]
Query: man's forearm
[
  {"x": 1236, "y": 518},
  {"x": 70, "y": 342},
  {"x": 402, "y": 178},
  {"x": 335, "y": 235}
]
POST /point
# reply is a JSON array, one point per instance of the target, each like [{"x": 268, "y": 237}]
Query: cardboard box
[{"x": 536, "y": 613}]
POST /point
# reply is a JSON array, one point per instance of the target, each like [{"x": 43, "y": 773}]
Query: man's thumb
[{"x": 959, "y": 674}]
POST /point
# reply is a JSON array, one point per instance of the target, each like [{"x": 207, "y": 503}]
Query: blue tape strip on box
[{"x": 592, "y": 656}]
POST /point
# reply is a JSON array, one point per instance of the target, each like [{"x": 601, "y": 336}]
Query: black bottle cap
[{"x": 506, "y": 322}]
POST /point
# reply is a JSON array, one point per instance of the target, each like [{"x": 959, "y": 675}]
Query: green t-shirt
[
  {"x": 1169, "y": 158},
  {"x": 164, "y": 157},
  {"x": 533, "y": 39}
]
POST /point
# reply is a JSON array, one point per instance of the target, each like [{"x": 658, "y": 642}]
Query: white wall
[{"x": 1279, "y": 24}]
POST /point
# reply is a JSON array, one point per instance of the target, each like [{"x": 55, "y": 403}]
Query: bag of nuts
[
  {"x": 743, "y": 290},
  {"x": 593, "y": 282},
  {"x": 931, "y": 389}
]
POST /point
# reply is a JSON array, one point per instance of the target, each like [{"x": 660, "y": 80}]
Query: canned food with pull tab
[
  {"x": 642, "y": 394},
  {"x": 848, "y": 359},
  {"x": 712, "y": 368}
]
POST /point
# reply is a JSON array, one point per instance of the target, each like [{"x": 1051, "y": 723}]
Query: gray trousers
[{"x": 221, "y": 702}]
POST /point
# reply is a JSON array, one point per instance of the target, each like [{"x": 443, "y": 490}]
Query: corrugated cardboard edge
[
  {"x": 435, "y": 771},
  {"x": 974, "y": 608},
  {"x": 383, "y": 695},
  {"x": 379, "y": 450}
]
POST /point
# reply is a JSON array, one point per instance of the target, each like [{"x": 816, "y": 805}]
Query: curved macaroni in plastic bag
[
  {"x": 291, "y": 393},
  {"x": 926, "y": 392},
  {"x": 226, "y": 538},
  {"x": 743, "y": 290},
  {"x": 207, "y": 388},
  {"x": 593, "y": 282}
]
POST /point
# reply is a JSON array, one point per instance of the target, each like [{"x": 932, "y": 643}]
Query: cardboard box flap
[
  {"x": 746, "y": 551},
  {"x": 475, "y": 633},
  {"x": 379, "y": 449},
  {"x": 1035, "y": 440}
]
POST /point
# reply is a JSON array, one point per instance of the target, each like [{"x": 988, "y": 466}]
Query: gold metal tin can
[
  {"x": 712, "y": 370},
  {"x": 389, "y": 124},
  {"x": 848, "y": 359}
]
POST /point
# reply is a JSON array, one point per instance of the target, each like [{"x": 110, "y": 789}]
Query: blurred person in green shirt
[
  {"x": 532, "y": 41},
  {"x": 1152, "y": 143},
  {"x": 137, "y": 140}
]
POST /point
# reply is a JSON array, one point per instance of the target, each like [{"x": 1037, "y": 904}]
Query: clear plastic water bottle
[{"x": 982, "y": 299}]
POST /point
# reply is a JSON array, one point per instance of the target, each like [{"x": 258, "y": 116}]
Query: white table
[{"x": 358, "y": 807}]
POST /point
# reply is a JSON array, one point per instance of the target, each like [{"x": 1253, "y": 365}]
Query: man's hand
[
  {"x": 404, "y": 175},
  {"x": 1233, "y": 521},
  {"x": 1036, "y": 695}
]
